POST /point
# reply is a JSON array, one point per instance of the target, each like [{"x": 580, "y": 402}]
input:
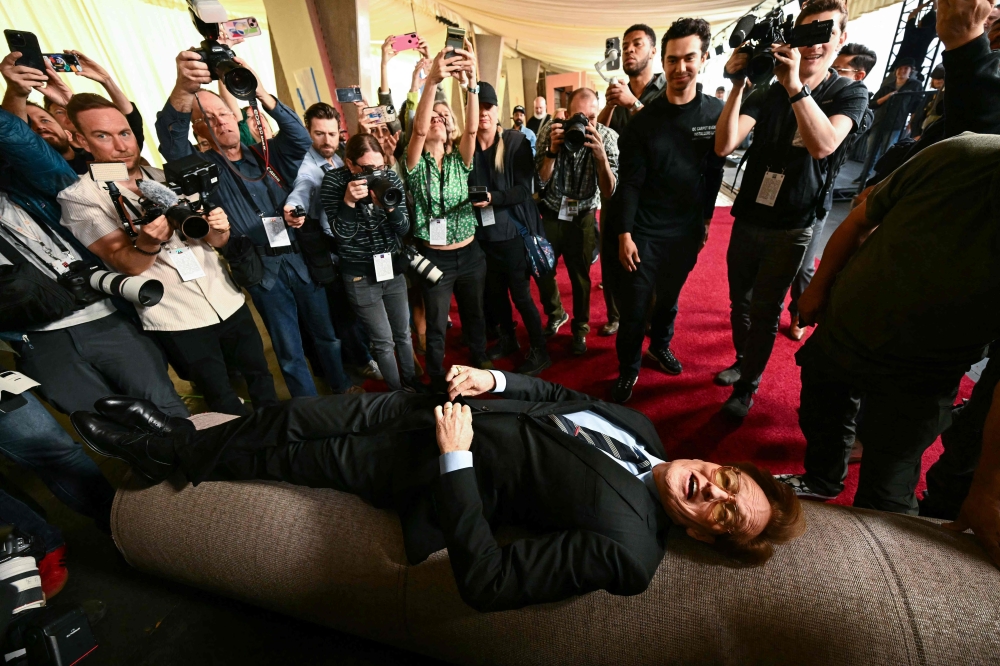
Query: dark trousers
[
  {"x": 762, "y": 263},
  {"x": 611, "y": 268},
  {"x": 349, "y": 329},
  {"x": 808, "y": 267},
  {"x": 77, "y": 366},
  {"x": 507, "y": 273},
  {"x": 464, "y": 272},
  {"x": 575, "y": 241},
  {"x": 897, "y": 429},
  {"x": 664, "y": 265},
  {"x": 206, "y": 351},
  {"x": 949, "y": 479}
]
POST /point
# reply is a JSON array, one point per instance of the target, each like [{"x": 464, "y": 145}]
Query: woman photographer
[
  {"x": 505, "y": 166},
  {"x": 371, "y": 260},
  {"x": 444, "y": 223}
]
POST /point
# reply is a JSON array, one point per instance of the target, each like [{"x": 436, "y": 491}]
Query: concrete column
[
  {"x": 301, "y": 67},
  {"x": 529, "y": 81},
  {"x": 489, "y": 50},
  {"x": 280, "y": 82},
  {"x": 346, "y": 35},
  {"x": 515, "y": 89}
]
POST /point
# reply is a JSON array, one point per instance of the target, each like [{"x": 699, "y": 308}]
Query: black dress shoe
[
  {"x": 132, "y": 445},
  {"x": 142, "y": 414}
]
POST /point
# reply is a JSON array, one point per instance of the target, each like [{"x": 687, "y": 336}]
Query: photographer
[
  {"x": 799, "y": 125},
  {"x": 503, "y": 165},
  {"x": 276, "y": 275},
  {"x": 573, "y": 184},
  {"x": 372, "y": 264},
  {"x": 668, "y": 182},
  {"x": 437, "y": 172},
  {"x": 201, "y": 311}
]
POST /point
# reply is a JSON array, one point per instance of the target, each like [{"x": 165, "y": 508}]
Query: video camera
[
  {"x": 756, "y": 38},
  {"x": 574, "y": 131},
  {"x": 238, "y": 80},
  {"x": 378, "y": 182},
  {"x": 187, "y": 176}
]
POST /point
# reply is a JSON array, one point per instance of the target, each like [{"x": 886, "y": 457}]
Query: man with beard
[
  {"x": 669, "y": 179},
  {"x": 536, "y": 121},
  {"x": 201, "y": 312}
]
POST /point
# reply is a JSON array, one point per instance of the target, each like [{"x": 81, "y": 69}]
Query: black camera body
[
  {"x": 185, "y": 177},
  {"x": 574, "y": 131},
  {"x": 774, "y": 28},
  {"x": 239, "y": 80},
  {"x": 298, "y": 211},
  {"x": 378, "y": 182}
]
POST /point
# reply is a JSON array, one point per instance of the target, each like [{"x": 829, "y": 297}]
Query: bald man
[{"x": 540, "y": 118}]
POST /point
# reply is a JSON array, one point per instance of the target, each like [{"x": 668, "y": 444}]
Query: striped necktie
[{"x": 614, "y": 448}]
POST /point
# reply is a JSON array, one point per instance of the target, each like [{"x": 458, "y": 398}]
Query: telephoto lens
[
  {"x": 422, "y": 265},
  {"x": 389, "y": 195},
  {"x": 188, "y": 222},
  {"x": 18, "y": 568},
  {"x": 133, "y": 288},
  {"x": 238, "y": 80},
  {"x": 575, "y": 132}
]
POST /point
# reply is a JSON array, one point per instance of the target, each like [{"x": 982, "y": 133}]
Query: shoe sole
[{"x": 662, "y": 367}]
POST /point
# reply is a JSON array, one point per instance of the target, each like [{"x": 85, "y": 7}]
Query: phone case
[
  {"x": 349, "y": 94},
  {"x": 64, "y": 62},
  {"x": 242, "y": 28},
  {"x": 27, "y": 44},
  {"x": 405, "y": 42}
]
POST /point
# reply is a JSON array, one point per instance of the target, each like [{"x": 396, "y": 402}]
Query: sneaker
[
  {"x": 800, "y": 487},
  {"x": 739, "y": 403},
  {"x": 622, "y": 390},
  {"x": 666, "y": 360},
  {"x": 729, "y": 376},
  {"x": 505, "y": 346},
  {"x": 52, "y": 570},
  {"x": 608, "y": 329},
  {"x": 579, "y": 344},
  {"x": 537, "y": 360},
  {"x": 555, "y": 323},
  {"x": 370, "y": 371}
]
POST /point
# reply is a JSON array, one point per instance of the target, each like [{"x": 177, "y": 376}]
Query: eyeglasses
[
  {"x": 844, "y": 71},
  {"x": 215, "y": 120},
  {"x": 725, "y": 512}
]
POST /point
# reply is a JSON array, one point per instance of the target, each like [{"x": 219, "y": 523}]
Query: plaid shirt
[{"x": 574, "y": 176}]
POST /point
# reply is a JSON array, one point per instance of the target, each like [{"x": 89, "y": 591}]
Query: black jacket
[{"x": 510, "y": 191}]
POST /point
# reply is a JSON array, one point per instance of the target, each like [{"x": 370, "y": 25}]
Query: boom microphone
[
  {"x": 742, "y": 30},
  {"x": 178, "y": 211},
  {"x": 159, "y": 194}
]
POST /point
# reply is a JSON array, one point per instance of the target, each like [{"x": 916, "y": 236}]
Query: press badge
[
  {"x": 769, "y": 188},
  {"x": 439, "y": 231},
  {"x": 488, "y": 218},
  {"x": 277, "y": 232},
  {"x": 186, "y": 263},
  {"x": 383, "y": 267},
  {"x": 568, "y": 209}
]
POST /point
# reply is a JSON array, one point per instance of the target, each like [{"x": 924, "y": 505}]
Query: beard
[
  {"x": 638, "y": 69},
  {"x": 59, "y": 142}
]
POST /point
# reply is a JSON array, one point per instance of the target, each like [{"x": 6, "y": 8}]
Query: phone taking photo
[
  {"x": 27, "y": 44},
  {"x": 613, "y": 46},
  {"x": 455, "y": 39},
  {"x": 349, "y": 94},
  {"x": 241, "y": 28},
  {"x": 405, "y": 42},
  {"x": 66, "y": 63}
]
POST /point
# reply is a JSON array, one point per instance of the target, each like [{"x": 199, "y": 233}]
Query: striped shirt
[
  {"x": 366, "y": 229},
  {"x": 87, "y": 211}
]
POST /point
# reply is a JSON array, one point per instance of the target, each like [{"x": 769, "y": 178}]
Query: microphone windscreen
[
  {"x": 742, "y": 30},
  {"x": 158, "y": 194}
]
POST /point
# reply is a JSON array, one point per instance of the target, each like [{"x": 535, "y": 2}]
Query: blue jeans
[
  {"x": 280, "y": 307},
  {"x": 30, "y": 437},
  {"x": 17, "y": 513}
]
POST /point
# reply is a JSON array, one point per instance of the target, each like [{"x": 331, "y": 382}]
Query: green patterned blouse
[{"x": 424, "y": 179}]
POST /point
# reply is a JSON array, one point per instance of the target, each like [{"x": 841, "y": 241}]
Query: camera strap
[
  {"x": 430, "y": 198},
  {"x": 250, "y": 200},
  {"x": 17, "y": 258}
]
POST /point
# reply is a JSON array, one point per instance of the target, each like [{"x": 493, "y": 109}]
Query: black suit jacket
[{"x": 599, "y": 527}]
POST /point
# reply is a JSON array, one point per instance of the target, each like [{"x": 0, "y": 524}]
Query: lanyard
[
  {"x": 430, "y": 199},
  {"x": 45, "y": 262}
]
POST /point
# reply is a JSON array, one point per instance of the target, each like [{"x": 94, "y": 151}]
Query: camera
[
  {"x": 298, "y": 211},
  {"x": 379, "y": 183},
  {"x": 574, "y": 131},
  {"x": 774, "y": 28},
  {"x": 187, "y": 176},
  {"x": 422, "y": 265},
  {"x": 239, "y": 80},
  {"x": 18, "y": 568},
  {"x": 478, "y": 193},
  {"x": 89, "y": 284}
]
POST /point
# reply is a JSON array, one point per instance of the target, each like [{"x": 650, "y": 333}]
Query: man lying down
[{"x": 590, "y": 475}]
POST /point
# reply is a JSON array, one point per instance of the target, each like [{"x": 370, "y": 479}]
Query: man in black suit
[{"x": 587, "y": 476}]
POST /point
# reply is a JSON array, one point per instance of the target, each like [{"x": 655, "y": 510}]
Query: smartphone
[
  {"x": 613, "y": 44},
  {"x": 104, "y": 172},
  {"x": 349, "y": 94},
  {"x": 27, "y": 44},
  {"x": 64, "y": 62},
  {"x": 241, "y": 28},
  {"x": 478, "y": 193},
  {"x": 374, "y": 114},
  {"x": 456, "y": 38},
  {"x": 405, "y": 42}
]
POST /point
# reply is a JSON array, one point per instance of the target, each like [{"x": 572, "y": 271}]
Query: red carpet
[{"x": 685, "y": 408}]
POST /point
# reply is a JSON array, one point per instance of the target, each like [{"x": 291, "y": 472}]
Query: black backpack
[{"x": 836, "y": 161}]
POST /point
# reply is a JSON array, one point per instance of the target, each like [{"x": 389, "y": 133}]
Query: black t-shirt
[
  {"x": 668, "y": 172},
  {"x": 777, "y": 147},
  {"x": 534, "y": 124}
]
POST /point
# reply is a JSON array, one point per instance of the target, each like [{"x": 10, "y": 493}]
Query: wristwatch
[
  {"x": 638, "y": 105},
  {"x": 474, "y": 90},
  {"x": 802, "y": 94}
]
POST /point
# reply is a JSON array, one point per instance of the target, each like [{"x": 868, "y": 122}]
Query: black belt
[{"x": 277, "y": 251}]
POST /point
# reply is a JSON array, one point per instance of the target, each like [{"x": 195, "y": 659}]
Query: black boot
[
  {"x": 506, "y": 345},
  {"x": 536, "y": 361}
]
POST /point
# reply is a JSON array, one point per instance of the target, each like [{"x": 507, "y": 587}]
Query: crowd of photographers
[{"x": 351, "y": 250}]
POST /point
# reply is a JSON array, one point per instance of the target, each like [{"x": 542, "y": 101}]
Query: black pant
[
  {"x": 663, "y": 267},
  {"x": 762, "y": 263},
  {"x": 948, "y": 479},
  {"x": 464, "y": 272},
  {"x": 574, "y": 240},
  {"x": 206, "y": 351},
  {"x": 507, "y": 272},
  {"x": 897, "y": 429},
  {"x": 611, "y": 266}
]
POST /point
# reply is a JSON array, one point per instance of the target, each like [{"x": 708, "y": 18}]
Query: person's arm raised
[
  {"x": 469, "y": 77},
  {"x": 93, "y": 71},
  {"x": 192, "y": 74},
  {"x": 440, "y": 68},
  {"x": 732, "y": 128},
  {"x": 20, "y": 81},
  {"x": 821, "y": 135}
]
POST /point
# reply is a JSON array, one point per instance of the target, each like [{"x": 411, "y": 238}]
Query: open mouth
[{"x": 692, "y": 487}]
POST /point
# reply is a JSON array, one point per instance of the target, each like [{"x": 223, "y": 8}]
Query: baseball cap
[{"x": 487, "y": 94}]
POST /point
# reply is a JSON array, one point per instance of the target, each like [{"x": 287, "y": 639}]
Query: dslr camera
[
  {"x": 18, "y": 569},
  {"x": 239, "y": 80},
  {"x": 89, "y": 284},
  {"x": 185, "y": 177},
  {"x": 378, "y": 182},
  {"x": 774, "y": 28},
  {"x": 574, "y": 131}
]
